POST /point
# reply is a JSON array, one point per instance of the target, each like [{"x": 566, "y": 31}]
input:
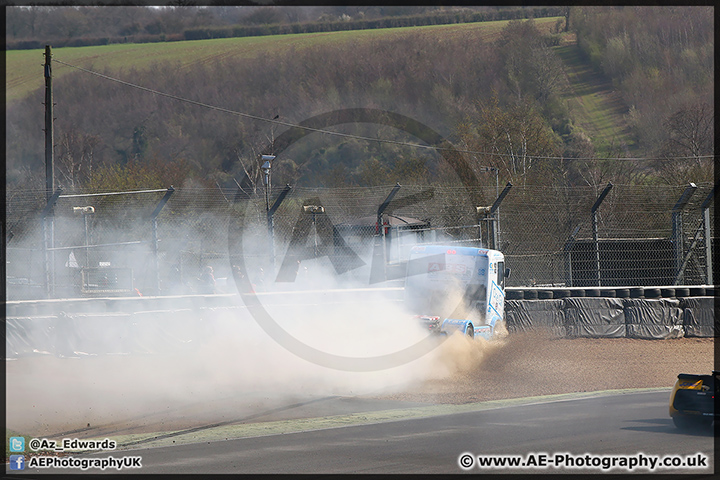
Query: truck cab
[{"x": 451, "y": 288}]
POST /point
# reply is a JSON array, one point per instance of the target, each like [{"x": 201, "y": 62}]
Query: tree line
[
  {"x": 33, "y": 27},
  {"x": 502, "y": 98},
  {"x": 661, "y": 59}
]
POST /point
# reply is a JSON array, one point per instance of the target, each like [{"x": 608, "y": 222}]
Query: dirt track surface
[
  {"x": 530, "y": 364},
  {"x": 135, "y": 394}
]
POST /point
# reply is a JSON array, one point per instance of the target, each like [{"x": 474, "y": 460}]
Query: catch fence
[{"x": 159, "y": 241}]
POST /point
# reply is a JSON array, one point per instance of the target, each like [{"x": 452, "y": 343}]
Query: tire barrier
[
  {"x": 642, "y": 318},
  {"x": 637, "y": 292},
  {"x": 622, "y": 292},
  {"x": 78, "y": 335},
  {"x": 534, "y": 293},
  {"x": 652, "y": 318},
  {"x": 523, "y": 315},
  {"x": 699, "y": 317},
  {"x": 594, "y": 317},
  {"x": 530, "y": 295},
  {"x": 652, "y": 292},
  {"x": 162, "y": 324},
  {"x": 667, "y": 292}
]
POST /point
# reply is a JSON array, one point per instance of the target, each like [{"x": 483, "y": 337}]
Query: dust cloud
[
  {"x": 182, "y": 367},
  {"x": 223, "y": 366}
]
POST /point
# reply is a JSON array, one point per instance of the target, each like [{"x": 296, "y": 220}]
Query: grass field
[
  {"x": 25, "y": 72},
  {"x": 594, "y": 104}
]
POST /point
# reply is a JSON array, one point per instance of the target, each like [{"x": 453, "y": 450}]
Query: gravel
[{"x": 523, "y": 365}]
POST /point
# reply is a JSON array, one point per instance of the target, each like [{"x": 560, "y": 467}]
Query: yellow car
[{"x": 692, "y": 401}]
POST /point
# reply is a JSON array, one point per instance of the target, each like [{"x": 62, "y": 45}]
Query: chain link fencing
[{"x": 135, "y": 243}]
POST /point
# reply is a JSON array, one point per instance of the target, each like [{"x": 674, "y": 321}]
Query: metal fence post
[
  {"x": 153, "y": 217},
  {"x": 677, "y": 229},
  {"x": 708, "y": 239},
  {"x": 593, "y": 210}
]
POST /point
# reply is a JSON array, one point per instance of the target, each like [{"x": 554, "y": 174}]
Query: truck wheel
[{"x": 470, "y": 331}]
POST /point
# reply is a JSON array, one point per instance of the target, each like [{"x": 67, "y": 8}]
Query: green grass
[
  {"x": 595, "y": 105},
  {"x": 24, "y": 68}
]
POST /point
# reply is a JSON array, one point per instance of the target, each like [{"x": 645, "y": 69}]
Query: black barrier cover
[
  {"x": 699, "y": 317},
  {"x": 524, "y": 315},
  {"x": 655, "y": 318},
  {"x": 594, "y": 317}
]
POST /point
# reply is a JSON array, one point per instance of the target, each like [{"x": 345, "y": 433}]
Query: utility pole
[{"x": 49, "y": 221}]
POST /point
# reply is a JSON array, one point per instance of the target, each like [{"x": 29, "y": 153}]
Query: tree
[
  {"x": 75, "y": 157},
  {"x": 513, "y": 137},
  {"x": 690, "y": 131}
]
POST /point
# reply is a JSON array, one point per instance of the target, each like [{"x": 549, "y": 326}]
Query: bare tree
[{"x": 690, "y": 131}]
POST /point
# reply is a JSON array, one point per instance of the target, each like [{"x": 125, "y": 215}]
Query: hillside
[
  {"x": 595, "y": 105},
  {"x": 513, "y": 92},
  {"x": 24, "y": 72}
]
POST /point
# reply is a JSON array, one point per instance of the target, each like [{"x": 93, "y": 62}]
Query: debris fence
[{"x": 158, "y": 241}]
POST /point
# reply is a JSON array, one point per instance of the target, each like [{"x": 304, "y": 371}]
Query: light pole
[{"x": 266, "y": 166}]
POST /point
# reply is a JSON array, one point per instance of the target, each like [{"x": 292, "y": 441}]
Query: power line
[{"x": 276, "y": 121}]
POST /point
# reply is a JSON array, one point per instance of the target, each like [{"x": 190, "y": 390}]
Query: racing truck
[
  {"x": 692, "y": 401},
  {"x": 456, "y": 289}
]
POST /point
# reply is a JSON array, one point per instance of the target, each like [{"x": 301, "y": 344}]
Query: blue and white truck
[{"x": 451, "y": 288}]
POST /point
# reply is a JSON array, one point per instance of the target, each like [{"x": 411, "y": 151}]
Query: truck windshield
[{"x": 452, "y": 288}]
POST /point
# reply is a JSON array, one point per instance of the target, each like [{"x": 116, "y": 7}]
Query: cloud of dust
[{"x": 215, "y": 364}]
